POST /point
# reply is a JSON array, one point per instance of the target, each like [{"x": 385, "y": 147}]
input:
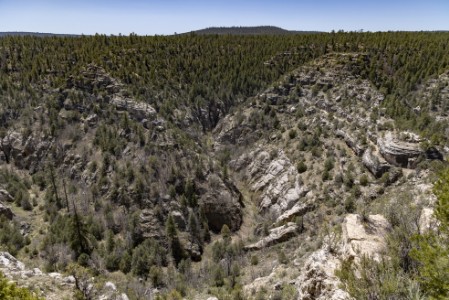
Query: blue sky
[{"x": 169, "y": 16}]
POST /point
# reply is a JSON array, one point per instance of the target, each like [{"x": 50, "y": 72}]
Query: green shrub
[
  {"x": 10, "y": 291},
  {"x": 364, "y": 180},
  {"x": 326, "y": 175},
  {"x": 282, "y": 258},
  {"x": 11, "y": 239},
  {"x": 350, "y": 205},
  {"x": 432, "y": 251},
  {"x": 254, "y": 260},
  {"x": 292, "y": 134},
  {"x": 375, "y": 280},
  {"x": 301, "y": 167},
  {"x": 156, "y": 276}
]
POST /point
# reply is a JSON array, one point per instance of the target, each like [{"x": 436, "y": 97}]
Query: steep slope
[
  {"x": 109, "y": 167},
  {"x": 311, "y": 149},
  {"x": 128, "y": 156}
]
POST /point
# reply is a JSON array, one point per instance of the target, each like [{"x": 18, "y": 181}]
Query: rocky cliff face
[
  {"x": 26, "y": 152},
  {"x": 274, "y": 177},
  {"x": 221, "y": 203},
  {"x": 96, "y": 134},
  {"x": 399, "y": 153},
  {"x": 359, "y": 238},
  {"x": 319, "y": 137},
  {"x": 292, "y": 172}
]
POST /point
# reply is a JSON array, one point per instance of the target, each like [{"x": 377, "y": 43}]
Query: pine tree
[
  {"x": 79, "y": 241},
  {"x": 176, "y": 249},
  {"x": 194, "y": 230}
]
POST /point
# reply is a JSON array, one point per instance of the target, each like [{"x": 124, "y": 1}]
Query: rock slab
[{"x": 277, "y": 235}]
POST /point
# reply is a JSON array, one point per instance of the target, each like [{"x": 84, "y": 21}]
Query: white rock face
[
  {"x": 110, "y": 286},
  {"x": 55, "y": 285},
  {"x": 298, "y": 209},
  {"x": 138, "y": 110},
  {"x": 9, "y": 262},
  {"x": 277, "y": 235},
  {"x": 427, "y": 220},
  {"x": 364, "y": 238},
  {"x": 318, "y": 280},
  {"x": 277, "y": 179}
]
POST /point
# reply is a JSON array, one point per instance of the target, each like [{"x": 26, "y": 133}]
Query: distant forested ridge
[
  {"x": 209, "y": 74},
  {"x": 36, "y": 34},
  {"x": 251, "y": 30}
]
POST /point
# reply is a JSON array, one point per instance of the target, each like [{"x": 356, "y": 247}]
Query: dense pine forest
[
  {"x": 113, "y": 161},
  {"x": 214, "y": 72}
]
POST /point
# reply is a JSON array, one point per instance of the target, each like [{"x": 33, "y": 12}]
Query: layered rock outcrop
[
  {"x": 399, "y": 153},
  {"x": 24, "y": 152},
  {"x": 351, "y": 142},
  {"x": 137, "y": 110},
  {"x": 299, "y": 209},
  {"x": 276, "y": 178},
  {"x": 318, "y": 280},
  {"x": 359, "y": 237},
  {"x": 276, "y": 235},
  {"x": 375, "y": 164},
  {"x": 94, "y": 77}
]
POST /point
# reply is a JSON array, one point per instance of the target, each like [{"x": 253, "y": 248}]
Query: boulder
[
  {"x": 364, "y": 237},
  {"x": 137, "y": 110},
  {"x": 399, "y": 153},
  {"x": 375, "y": 164},
  {"x": 91, "y": 120},
  {"x": 6, "y": 211},
  {"x": 10, "y": 263},
  {"x": 351, "y": 142},
  {"x": 299, "y": 209},
  {"x": 149, "y": 225},
  {"x": 317, "y": 280},
  {"x": 24, "y": 152},
  {"x": 221, "y": 203},
  {"x": 277, "y": 235},
  {"x": 178, "y": 218},
  {"x": 5, "y": 196},
  {"x": 427, "y": 220}
]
